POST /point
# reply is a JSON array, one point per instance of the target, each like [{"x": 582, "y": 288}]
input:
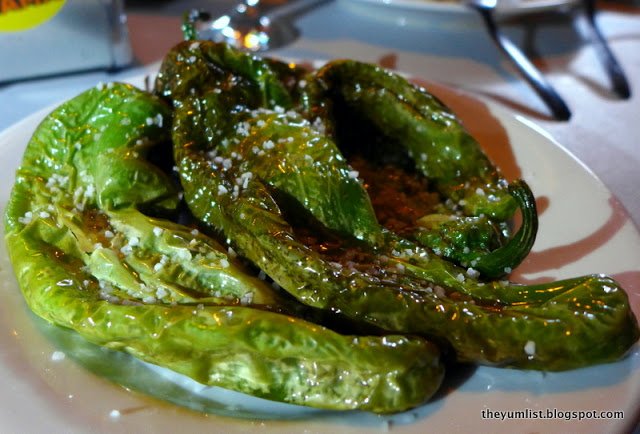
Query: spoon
[{"x": 255, "y": 25}]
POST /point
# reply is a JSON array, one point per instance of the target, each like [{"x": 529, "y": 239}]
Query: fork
[
  {"x": 528, "y": 70},
  {"x": 614, "y": 70}
]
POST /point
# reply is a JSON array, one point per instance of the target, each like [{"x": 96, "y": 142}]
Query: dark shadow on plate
[
  {"x": 518, "y": 107},
  {"x": 597, "y": 87},
  {"x": 456, "y": 376}
]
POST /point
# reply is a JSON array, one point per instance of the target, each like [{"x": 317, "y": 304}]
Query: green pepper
[
  {"x": 393, "y": 283},
  {"x": 378, "y": 114},
  {"x": 354, "y": 96},
  {"x": 92, "y": 254},
  {"x": 193, "y": 67}
]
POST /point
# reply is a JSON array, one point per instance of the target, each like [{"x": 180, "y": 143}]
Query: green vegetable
[
  {"x": 87, "y": 258},
  {"x": 376, "y": 113},
  {"x": 262, "y": 149},
  {"x": 469, "y": 240},
  {"x": 353, "y": 96},
  {"x": 394, "y": 283}
]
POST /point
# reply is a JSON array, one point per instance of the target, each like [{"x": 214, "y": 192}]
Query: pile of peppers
[{"x": 216, "y": 226}]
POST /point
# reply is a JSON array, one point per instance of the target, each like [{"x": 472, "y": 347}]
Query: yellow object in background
[
  {"x": 18, "y": 15},
  {"x": 39, "y": 38}
]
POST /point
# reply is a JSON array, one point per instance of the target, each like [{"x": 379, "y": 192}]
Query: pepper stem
[{"x": 502, "y": 260}]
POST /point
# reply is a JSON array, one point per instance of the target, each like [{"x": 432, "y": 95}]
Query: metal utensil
[
  {"x": 614, "y": 70},
  {"x": 530, "y": 73},
  {"x": 256, "y": 25}
]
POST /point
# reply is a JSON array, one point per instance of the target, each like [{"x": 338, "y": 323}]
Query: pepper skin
[
  {"x": 88, "y": 258},
  {"x": 374, "y": 112},
  {"x": 572, "y": 323}
]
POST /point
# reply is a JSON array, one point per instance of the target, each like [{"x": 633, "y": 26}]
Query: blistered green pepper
[
  {"x": 372, "y": 112},
  {"x": 254, "y": 184},
  {"x": 353, "y": 96},
  {"x": 88, "y": 258}
]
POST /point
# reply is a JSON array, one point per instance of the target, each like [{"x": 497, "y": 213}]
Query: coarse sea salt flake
[
  {"x": 26, "y": 218},
  {"x": 149, "y": 299},
  {"x": 473, "y": 273},
  {"x": 530, "y": 348},
  {"x": 268, "y": 145},
  {"x": 57, "y": 356},
  {"x": 161, "y": 293}
]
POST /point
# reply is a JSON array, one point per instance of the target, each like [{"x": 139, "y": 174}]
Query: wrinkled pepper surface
[
  {"x": 264, "y": 153},
  {"x": 378, "y": 114},
  {"x": 262, "y": 173},
  {"x": 90, "y": 256}
]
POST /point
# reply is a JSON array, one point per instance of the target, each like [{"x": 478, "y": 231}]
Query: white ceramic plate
[
  {"x": 505, "y": 7},
  {"x": 583, "y": 230}
]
